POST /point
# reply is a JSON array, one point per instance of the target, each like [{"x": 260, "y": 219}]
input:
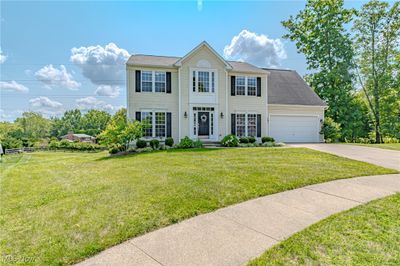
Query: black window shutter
[
  {"x": 258, "y": 87},
  {"x": 233, "y": 124},
  {"x": 137, "y": 79},
  {"x": 138, "y": 116},
  {"x": 258, "y": 126},
  {"x": 169, "y": 125},
  {"x": 233, "y": 80},
  {"x": 168, "y": 82}
]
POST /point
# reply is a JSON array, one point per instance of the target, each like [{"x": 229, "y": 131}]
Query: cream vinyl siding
[
  {"x": 156, "y": 101},
  {"x": 195, "y": 62},
  {"x": 249, "y": 104}
]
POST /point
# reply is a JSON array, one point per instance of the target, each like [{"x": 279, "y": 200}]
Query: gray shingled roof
[
  {"x": 288, "y": 87},
  {"x": 169, "y": 61}
]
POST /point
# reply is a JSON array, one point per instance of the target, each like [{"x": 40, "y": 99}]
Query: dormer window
[{"x": 203, "y": 81}]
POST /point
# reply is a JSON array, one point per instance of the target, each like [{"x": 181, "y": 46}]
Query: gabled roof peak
[{"x": 198, "y": 47}]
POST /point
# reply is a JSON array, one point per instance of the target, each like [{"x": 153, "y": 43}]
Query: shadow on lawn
[{"x": 117, "y": 157}]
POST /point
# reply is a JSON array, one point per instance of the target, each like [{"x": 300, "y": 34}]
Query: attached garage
[
  {"x": 294, "y": 128},
  {"x": 295, "y": 112}
]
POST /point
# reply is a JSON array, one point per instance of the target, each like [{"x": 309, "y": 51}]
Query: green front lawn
[
  {"x": 62, "y": 207},
  {"x": 365, "y": 235},
  {"x": 387, "y": 146}
]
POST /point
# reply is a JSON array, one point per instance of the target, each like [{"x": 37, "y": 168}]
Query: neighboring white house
[{"x": 203, "y": 96}]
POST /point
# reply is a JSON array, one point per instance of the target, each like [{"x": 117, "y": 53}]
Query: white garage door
[{"x": 286, "y": 128}]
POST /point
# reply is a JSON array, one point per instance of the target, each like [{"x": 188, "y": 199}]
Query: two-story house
[{"x": 204, "y": 96}]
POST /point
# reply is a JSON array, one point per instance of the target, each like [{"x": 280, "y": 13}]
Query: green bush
[
  {"x": 244, "y": 140},
  {"x": 54, "y": 144},
  {"x": 268, "y": 144},
  {"x": 186, "y": 143},
  {"x": 252, "y": 139},
  {"x": 198, "y": 144},
  {"x": 140, "y": 143},
  {"x": 154, "y": 144},
  {"x": 114, "y": 149},
  {"x": 169, "y": 141},
  {"x": 267, "y": 139},
  {"x": 331, "y": 130},
  {"x": 230, "y": 141}
]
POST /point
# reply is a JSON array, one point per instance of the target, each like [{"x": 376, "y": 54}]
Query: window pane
[
  {"x": 194, "y": 123},
  {"x": 147, "y": 117},
  {"x": 240, "y": 125},
  {"x": 252, "y": 125},
  {"x": 251, "y": 86},
  {"x": 203, "y": 81},
  {"x": 147, "y": 81},
  {"x": 240, "y": 86},
  {"x": 160, "y": 81},
  {"x": 160, "y": 125}
]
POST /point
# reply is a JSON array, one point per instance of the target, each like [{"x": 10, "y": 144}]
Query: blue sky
[{"x": 40, "y": 71}]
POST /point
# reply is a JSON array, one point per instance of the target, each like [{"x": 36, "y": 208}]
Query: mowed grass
[
  {"x": 366, "y": 235},
  {"x": 60, "y": 208},
  {"x": 387, "y": 146}
]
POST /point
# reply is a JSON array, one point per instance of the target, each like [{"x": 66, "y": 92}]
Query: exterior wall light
[
  {"x": 185, "y": 115},
  {"x": 222, "y": 115}
]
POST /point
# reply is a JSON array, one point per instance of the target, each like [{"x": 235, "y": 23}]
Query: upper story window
[
  {"x": 240, "y": 85},
  {"x": 153, "y": 81},
  {"x": 246, "y": 86},
  {"x": 160, "y": 81},
  {"x": 251, "y": 86},
  {"x": 203, "y": 81},
  {"x": 147, "y": 81}
]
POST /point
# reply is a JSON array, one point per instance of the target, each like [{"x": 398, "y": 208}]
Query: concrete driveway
[{"x": 377, "y": 156}]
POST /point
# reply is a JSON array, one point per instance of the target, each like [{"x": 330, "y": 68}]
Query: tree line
[{"x": 354, "y": 60}]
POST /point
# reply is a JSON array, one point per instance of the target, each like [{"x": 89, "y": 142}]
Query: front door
[{"x": 204, "y": 123}]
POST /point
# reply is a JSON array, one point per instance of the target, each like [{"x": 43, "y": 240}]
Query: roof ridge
[
  {"x": 278, "y": 69},
  {"x": 158, "y": 55}
]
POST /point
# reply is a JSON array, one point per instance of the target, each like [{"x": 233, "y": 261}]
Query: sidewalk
[{"x": 236, "y": 234}]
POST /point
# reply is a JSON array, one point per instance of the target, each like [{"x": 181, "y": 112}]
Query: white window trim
[
  {"x": 153, "y": 122},
  {"x": 246, "y": 123},
  {"x": 210, "y": 71},
  {"x": 246, "y": 87},
  {"x": 153, "y": 81}
]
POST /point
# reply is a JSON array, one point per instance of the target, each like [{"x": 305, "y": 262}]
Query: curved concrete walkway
[
  {"x": 378, "y": 156},
  {"x": 236, "y": 234}
]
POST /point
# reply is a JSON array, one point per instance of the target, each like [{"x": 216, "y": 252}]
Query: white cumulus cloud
[
  {"x": 3, "y": 57},
  {"x": 107, "y": 90},
  {"x": 102, "y": 65},
  {"x": 12, "y": 86},
  {"x": 255, "y": 48},
  {"x": 57, "y": 77},
  {"x": 45, "y": 102},
  {"x": 90, "y": 102}
]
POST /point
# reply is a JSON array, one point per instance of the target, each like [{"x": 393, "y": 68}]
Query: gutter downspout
[{"x": 179, "y": 104}]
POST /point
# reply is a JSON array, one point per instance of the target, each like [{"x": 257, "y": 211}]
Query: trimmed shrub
[
  {"x": 146, "y": 149},
  {"x": 268, "y": 144},
  {"x": 169, "y": 141},
  {"x": 198, "y": 144},
  {"x": 140, "y": 144},
  {"x": 244, "y": 140},
  {"x": 331, "y": 130},
  {"x": 155, "y": 144},
  {"x": 267, "y": 139},
  {"x": 186, "y": 143},
  {"x": 279, "y": 144},
  {"x": 230, "y": 141},
  {"x": 252, "y": 139}
]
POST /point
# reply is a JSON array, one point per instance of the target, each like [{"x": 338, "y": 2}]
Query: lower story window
[
  {"x": 155, "y": 124},
  {"x": 147, "y": 118},
  {"x": 251, "y": 125},
  {"x": 241, "y": 125},
  {"x": 246, "y": 125},
  {"x": 160, "y": 124}
]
